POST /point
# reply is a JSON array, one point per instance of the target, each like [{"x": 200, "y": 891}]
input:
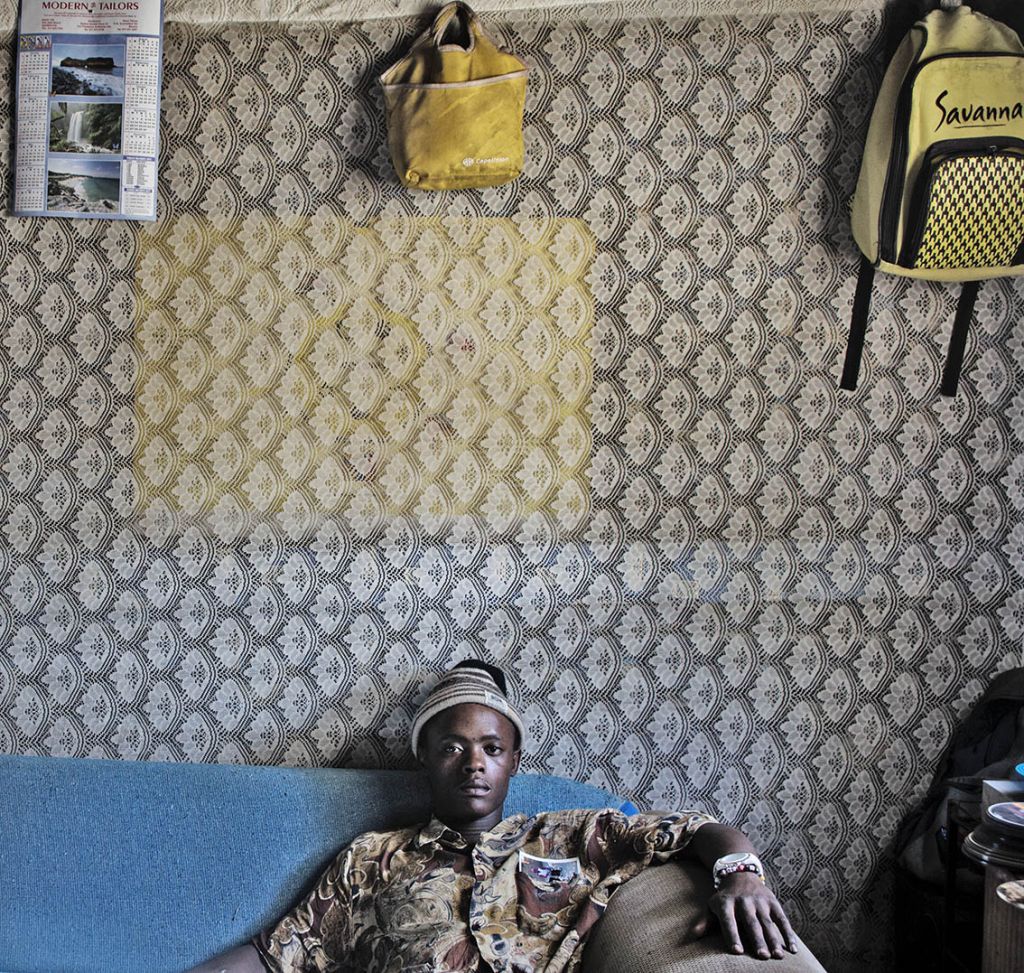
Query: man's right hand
[{"x": 750, "y": 917}]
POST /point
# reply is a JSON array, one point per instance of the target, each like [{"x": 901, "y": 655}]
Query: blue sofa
[
  {"x": 117, "y": 866},
  {"x": 123, "y": 867}
]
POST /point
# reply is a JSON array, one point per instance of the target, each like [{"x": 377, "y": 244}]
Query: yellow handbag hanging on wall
[{"x": 454, "y": 110}]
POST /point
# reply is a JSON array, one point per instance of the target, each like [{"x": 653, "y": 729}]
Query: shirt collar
[{"x": 437, "y": 832}]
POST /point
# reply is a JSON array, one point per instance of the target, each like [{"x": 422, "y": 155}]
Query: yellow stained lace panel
[{"x": 421, "y": 366}]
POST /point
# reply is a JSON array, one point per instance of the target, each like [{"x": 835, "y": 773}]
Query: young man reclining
[{"x": 470, "y": 891}]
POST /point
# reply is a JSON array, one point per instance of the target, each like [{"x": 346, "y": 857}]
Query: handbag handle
[{"x": 445, "y": 16}]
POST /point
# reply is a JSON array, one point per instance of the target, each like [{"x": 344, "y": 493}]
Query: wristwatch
[{"x": 740, "y": 861}]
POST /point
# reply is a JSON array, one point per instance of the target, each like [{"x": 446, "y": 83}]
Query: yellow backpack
[
  {"x": 940, "y": 194},
  {"x": 454, "y": 111}
]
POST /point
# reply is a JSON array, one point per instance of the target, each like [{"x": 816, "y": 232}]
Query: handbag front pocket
[
  {"x": 967, "y": 209},
  {"x": 459, "y": 135}
]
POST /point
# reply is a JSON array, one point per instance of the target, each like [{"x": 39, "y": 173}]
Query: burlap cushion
[{"x": 646, "y": 924}]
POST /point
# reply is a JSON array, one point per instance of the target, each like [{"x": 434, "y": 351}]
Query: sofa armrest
[{"x": 644, "y": 930}]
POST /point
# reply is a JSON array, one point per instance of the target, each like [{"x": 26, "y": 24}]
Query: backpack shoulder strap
[
  {"x": 958, "y": 338},
  {"x": 858, "y": 325}
]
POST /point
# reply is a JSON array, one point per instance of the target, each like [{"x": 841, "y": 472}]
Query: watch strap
[{"x": 731, "y": 864}]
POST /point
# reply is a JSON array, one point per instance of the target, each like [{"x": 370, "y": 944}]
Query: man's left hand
[{"x": 750, "y": 917}]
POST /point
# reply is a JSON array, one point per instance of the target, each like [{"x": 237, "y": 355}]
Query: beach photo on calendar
[
  {"x": 85, "y": 126},
  {"x": 96, "y": 70},
  {"x": 83, "y": 186}
]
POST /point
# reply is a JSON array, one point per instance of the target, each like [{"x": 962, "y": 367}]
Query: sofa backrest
[{"x": 120, "y": 867}]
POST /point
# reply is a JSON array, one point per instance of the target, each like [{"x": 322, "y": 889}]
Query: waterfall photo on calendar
[{"x": 83, "y": 127}]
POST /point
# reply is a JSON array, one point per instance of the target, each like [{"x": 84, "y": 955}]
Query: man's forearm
[
  {"x": 242, "y": 959},
  {"x": 713, "y": 841}
]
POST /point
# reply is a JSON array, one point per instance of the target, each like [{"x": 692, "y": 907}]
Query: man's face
[{"x": 469, "y": 752}]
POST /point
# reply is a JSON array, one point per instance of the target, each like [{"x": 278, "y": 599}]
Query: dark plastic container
[{"x": 999, "y": 839}]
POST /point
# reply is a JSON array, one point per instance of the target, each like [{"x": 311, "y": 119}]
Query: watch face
[{"x": 735, "y": 858}]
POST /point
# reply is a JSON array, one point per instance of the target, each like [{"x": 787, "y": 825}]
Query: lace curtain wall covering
[
  {"x": 271, "y": 462},
  {"x": 349, "y": 11}
]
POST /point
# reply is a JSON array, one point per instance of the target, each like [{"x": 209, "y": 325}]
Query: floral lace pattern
[{"x": 269, "y": 464}]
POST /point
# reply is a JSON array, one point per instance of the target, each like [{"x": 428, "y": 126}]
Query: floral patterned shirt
[{"x": 522, "y": 900}]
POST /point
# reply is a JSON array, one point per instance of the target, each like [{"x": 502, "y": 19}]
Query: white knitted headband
[{"x": 465, "y": 685}]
